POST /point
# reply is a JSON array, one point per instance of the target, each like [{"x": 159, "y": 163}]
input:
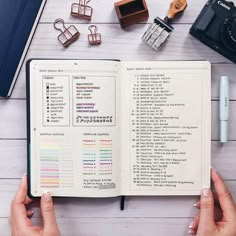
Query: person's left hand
[{"x": 19, "y": 219}]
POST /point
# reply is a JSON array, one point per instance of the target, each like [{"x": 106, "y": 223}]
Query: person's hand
[
  {"x": 19, "y": 219},
  {"x": 217, "y": 215}
]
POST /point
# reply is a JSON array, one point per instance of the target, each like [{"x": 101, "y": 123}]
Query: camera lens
[{"x": 228, "y": 35}]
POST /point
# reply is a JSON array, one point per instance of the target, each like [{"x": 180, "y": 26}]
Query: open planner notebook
[{"x": 100, "y": 128}]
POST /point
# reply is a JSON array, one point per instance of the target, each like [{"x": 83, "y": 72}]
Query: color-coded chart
[
  {"x": 105, "y": 157},
  {"x": 89, "y": 157},
  {"x": 56, "y": 166},
  {"x": 97, "y": 157}
]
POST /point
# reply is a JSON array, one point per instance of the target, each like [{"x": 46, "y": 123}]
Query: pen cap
[
  {"x": 224, "y": 98},
  {"x": 223, "y": 131}
]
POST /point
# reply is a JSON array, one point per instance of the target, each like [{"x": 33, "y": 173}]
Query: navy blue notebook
[{"x": 18, "y": 21}]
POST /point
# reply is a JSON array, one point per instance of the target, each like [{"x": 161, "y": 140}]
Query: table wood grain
[{"x": 159, "y": 216}]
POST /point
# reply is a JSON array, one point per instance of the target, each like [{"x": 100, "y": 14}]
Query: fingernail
[
  {"x": 24, "y": 175},
  {"x": 214, "y": 170},
  {"x": 22, "y": 180},
  {"x": 190, "y": 231},
  {"x": 191, "y": 225},
  {"x": 47, "y": 196},
  {"x": 205, "y": 191}
]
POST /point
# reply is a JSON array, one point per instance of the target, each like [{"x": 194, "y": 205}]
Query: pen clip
[
  {"x": 94, "y": 38},
  {"x": 60, "y": 21},
  {"x": 68, "y": 34},
  {"x": 82, "y": 10}
]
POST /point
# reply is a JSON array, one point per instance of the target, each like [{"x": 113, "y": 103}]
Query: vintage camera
[{"x": 216, "y": 27}]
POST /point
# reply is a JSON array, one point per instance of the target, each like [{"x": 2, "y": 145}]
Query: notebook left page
[{"x": 74, "y": 127}]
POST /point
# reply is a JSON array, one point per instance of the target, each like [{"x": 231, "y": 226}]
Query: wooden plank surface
[
  {"x": 160, "y": 216},
  {"x": 116, "y": 226},
  {"x": 156, "y": 8},
  {"x": 126, "y": 45},
  {"x": 104, "y": 11}
]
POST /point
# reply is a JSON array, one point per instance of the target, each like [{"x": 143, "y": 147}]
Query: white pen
[{"x": 224, "y": 108}]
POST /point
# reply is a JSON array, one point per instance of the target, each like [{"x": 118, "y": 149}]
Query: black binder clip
[
  {"x": 82, "y": 10},
  {"x": 94, "y": 38},
  {"x": 68, "y": 35}
]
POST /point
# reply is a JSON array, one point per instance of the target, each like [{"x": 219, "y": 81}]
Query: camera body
[{"x": 216, "y": 27}]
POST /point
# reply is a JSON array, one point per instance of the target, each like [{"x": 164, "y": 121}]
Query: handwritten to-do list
[{"x": 162, "y": 129}]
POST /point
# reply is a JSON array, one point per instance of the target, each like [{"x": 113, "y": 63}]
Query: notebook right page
[{"x": 166, "y": 127}]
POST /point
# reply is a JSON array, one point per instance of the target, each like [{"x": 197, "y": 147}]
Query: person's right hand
[
  {"x": 19, "y": 220},
  {"x": 217, "y": 215}
]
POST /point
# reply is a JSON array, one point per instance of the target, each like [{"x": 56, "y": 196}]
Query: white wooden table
[{"x": 159, "y": 216}]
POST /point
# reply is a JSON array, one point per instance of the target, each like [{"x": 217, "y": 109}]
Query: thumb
[
  {"x": 206, "y": 222},
  {"x": 48, "y": 214}
]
